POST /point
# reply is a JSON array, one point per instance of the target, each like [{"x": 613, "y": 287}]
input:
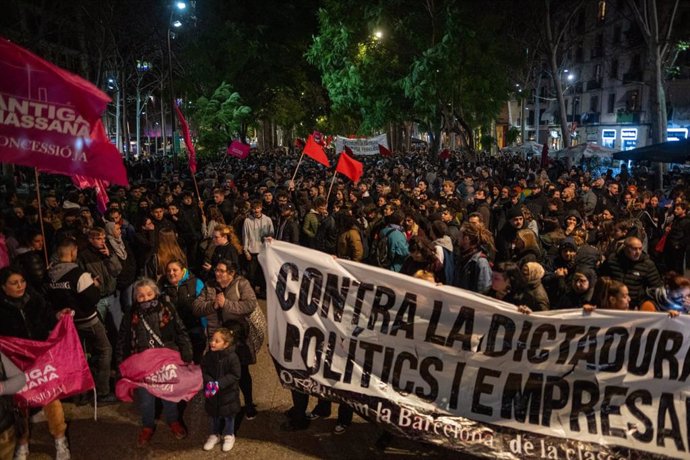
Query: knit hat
[{"x": 535, "y": 271}]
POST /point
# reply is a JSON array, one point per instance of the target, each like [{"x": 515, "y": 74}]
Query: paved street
[{"x": 114, "y": 435}]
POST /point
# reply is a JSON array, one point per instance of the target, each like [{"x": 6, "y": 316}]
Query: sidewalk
[{"x": 113, "y": 436}]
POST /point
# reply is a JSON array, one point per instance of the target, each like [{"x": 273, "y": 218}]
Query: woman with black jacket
[{"x": 25, "y": 314}]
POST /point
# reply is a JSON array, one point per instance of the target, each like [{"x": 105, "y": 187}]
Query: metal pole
[
  {"x": 172, "y": 101},
  {"x": 118, "y": 134},
  {"x": 138, "y": 118}
]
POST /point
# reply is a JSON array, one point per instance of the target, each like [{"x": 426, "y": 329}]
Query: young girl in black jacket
[{"x": 221, "y": 371}]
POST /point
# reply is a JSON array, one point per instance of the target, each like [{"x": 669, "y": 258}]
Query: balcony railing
[{"x": 629, "y": 117}]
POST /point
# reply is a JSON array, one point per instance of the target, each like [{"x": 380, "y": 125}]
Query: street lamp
[
  {"x": 142, "y": 68},
  {"x": 179, "y": 6}
]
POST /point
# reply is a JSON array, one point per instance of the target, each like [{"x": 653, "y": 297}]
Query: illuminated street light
[
  {"x": 181, "y": 5},
  {"x": 177, "y": 24},
  {"x": 378, "y": 35},
  {"x": 571, "y": 77}
]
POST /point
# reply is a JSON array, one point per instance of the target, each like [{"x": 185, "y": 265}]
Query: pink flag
[
  {"x": 100, "y": 186},
  {"x": 162, "y": 373},
  {"x": 50, "y": 119},
  {"x": 55, "y": 369},
  {"x": 238, "y": 150},
  {"x": 191, "y": 153}
]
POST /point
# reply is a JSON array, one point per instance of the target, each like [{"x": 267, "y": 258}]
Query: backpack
[
  {"x": 448, "y": 266},
  {"x": 379, "y": 254}
]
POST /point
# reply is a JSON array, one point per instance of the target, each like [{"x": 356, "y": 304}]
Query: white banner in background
[
  {"x": 369, "y": 146},
  {"x": 468, "y": 372}
]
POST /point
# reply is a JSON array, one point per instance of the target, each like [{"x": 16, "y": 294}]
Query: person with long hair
[
  {"x": 609, "y": 294},
  {"x": 473, "y": 271},
  {"x": 228, "y": 300},
  {"x": 167, "y": 248},
  {"x": 509, "y": 284},
  {"x": 227, "y": 247}
]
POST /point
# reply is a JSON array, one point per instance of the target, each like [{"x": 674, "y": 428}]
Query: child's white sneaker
[
  {"x": 211, "y": 442},
  {"x": 228, "y": 442}
]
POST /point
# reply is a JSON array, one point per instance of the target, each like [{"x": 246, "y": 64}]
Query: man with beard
[
  {"x": 287, "y": 227},
  {"x": 506, "y": 236}
]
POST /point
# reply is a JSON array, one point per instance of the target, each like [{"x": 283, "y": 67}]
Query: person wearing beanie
[{"x": 533, "y": 273}]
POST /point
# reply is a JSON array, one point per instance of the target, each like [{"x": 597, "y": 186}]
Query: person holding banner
[
  {"x": 12, "y": 380},
  {"x": 153, "y": 323},
  {"x": 25, "y": 314}
]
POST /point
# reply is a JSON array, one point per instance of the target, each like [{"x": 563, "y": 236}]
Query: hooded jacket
[
  {"x": 224, "y": 367},
  {"x": 69, "y": 286}
]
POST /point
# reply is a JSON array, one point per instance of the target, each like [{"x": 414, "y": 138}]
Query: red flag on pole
[
  {"x": 349, "y": 167},
  {"x": 191, "y": 153},
  {"x": 315, "y": 152},
  {"x": 50, "y": 119},
  {"x": 445, "y": 154},
  {"x": 384, "y": 151}
]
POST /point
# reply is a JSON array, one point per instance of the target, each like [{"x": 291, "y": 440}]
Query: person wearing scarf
[{"x": 153, "y": 323}]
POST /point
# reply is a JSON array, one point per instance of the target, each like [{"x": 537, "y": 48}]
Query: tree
[
  {"x": 441, "y": 64},
  {"x": 556, "y": 25},
  {"x": 220, "y": 118},
  {"x": 656, "y": 24}
]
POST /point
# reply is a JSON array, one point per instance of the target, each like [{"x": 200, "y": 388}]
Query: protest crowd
[{"x": 164, "y": 268}]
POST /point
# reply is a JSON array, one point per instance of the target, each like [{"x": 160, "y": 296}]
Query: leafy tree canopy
[{"x": 220, "y": 118}]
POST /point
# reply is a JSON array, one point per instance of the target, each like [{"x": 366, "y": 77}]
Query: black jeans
[
  {"x": 246, "y": 385},
  {"x": 94, "y": 335}
]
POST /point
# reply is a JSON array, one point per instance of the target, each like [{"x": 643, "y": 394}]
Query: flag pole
[
  {"x": 297, "y": 168},
  {"x": 40, "y": 216},
  {"x": 331, "y": 187}
]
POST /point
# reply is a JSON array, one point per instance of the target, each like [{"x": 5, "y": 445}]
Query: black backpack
[{"x": 379, "y": 255}]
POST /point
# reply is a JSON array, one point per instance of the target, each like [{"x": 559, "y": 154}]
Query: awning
[
  {"x": 666, "y": 152},
  {"x": 680, "y": 115}
]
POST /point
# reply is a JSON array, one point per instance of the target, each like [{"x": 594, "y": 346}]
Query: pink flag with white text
[
  {"x": 238, "y": 150},
  {"x": 55, "y": 369},
  {"x": 161, "y": 372}
]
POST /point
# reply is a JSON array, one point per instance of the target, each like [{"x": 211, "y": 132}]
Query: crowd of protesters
[{"x": 540, "y": 238}]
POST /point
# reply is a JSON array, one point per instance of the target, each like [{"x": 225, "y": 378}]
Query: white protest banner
[
  {"x": 363, "y": 146},
  {"x": 468, "y": 372}
]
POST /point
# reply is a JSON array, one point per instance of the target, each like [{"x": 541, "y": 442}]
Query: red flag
[
  {"x": 384, "y": 151},
  {"x": 55, "y": 368},
  {"x": 101, "y": 187},
  {"x": 49, "y": 118},
  {"x": 445, "y": 154},
  {"x": 315, "y": 152},
  {"x": 191, "y": 153},
  {"x": 348, "y": 150},
  {"x": 349, "y": 167},
  {"x": 239, "y": 150}
]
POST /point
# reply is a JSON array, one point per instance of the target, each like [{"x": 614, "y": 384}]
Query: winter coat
[
  {"x": 474, "y": 273},
  {"x": 163, "y": 321},
  {"x": 182, "y": 296},
  {"x": 636, "y": 275},
  {"x": 107, "y": 268},
  {"x": 350, "y": 245},
  {"x": 398, "y": 249},
  {"x": 222, "y": 366},
  {"x": 310, "y": 227},
  {"x": 27, "y": 317},
  {"x": 240, "y": 305},
  {"x": 226, "y": 252}
]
